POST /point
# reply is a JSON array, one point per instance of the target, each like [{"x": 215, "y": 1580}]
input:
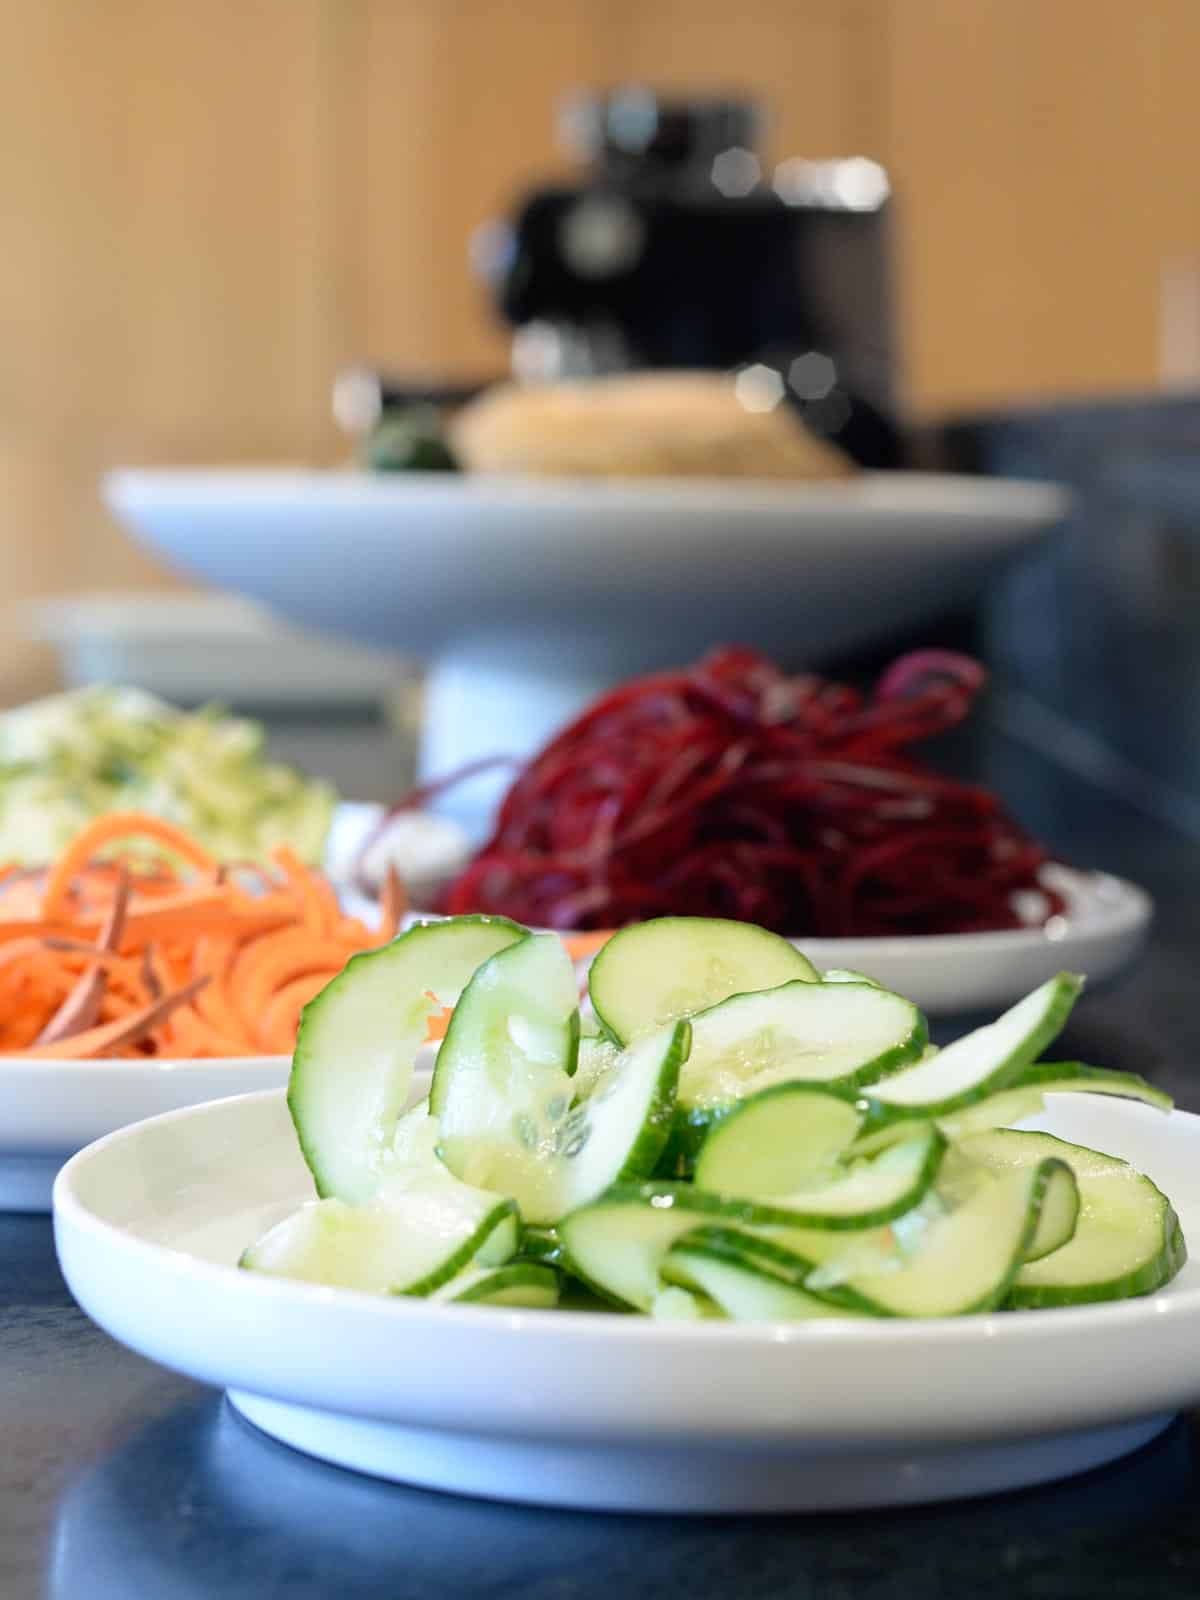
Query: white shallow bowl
[
  {"x": 196, "y": 647},
  {"x": 526, "y": 597},
  {"x": 610, "y": 1412},
  {"x": 412, "y": 560}
]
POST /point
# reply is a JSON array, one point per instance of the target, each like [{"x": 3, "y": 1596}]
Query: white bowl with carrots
[{"x": 139, "y": 974}]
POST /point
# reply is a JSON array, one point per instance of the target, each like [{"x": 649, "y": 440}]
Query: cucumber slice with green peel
[
  {"x": 1127, "y": 1241},
  {"x": 618, "y": 1133},
  {"x": 617, "y": 1244},
  {"x": 739, "y": 1282},
  {"x": 520, "y": 1283},
  {"x": 352, "y": 1069},
  {"x": 420, "y": 1227},
  {"x": 410, "y": 1237},
  {"x": 883, "y": 1124},
  {"x": 520, "y": 1006},
  {"x": 673, "y": 1303},
  {"x": 980, "y": 1063},
  {"x": 864, "y": 1195},
  {"x": 597, "y": 1055},
  {"x": 838, "y": 1034},
  {"x": 966, "y": 1261},
  {"x": 540, "y": 1244},
  {"x": 1073, "y": 1077},
  {"x": 504, "y": 1095},
  {"x": 1057, "y": 1222},
  {"x": 780, "y": 1151},
  {"x": 502, "y": 1085},
  {"x": 848, "y": 975},
  {"x": 652, "y": 973},
  {"x": 775, "y": 1141}
]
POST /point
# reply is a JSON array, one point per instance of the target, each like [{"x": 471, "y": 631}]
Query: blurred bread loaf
[{"x": 655, "y": 424}]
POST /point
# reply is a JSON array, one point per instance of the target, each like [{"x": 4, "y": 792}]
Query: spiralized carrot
[{"x": 136, "y": 942}]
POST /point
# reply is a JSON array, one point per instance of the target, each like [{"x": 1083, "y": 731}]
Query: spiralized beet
[{"x": 730, "y": 789}]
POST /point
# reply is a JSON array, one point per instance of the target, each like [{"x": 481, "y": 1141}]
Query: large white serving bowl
[
  {"x": 526, "y": 596},
  {"x": 609, "y": 1411}
]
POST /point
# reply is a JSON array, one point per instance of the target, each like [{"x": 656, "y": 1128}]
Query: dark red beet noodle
[{"x": 730, "y": 789}]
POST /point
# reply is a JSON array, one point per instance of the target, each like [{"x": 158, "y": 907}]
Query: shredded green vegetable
[{"x": 71, "y": 757}]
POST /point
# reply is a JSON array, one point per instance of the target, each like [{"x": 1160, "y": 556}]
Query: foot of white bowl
[
  {"x": 505, "y": 694},
  {"x": 686, "y": 1477}
]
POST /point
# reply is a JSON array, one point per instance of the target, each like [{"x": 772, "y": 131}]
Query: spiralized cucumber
[{"x": 824, "y": 1161}]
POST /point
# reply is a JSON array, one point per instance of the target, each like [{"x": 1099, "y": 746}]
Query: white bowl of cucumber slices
[{"x": 749, "y": 1243}]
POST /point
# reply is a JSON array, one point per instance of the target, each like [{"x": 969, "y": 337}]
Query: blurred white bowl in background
[{"x": 194, "y": 647}]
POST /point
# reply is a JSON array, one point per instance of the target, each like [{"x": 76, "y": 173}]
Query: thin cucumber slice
[
  {"x": 1057, "y": 1221},
  {"x": 540, "y": 1244},
  {"x": 597, "y": 1055},
  {"x": 775, "y": 1141},
  {"x": 502, "y": 1084},
  {"x": 618, "y": 1133},
  {"x": 352, "y": 1069},
  {"x": 420, "y": 1227},
  {"x": 866, "y": 1194},
  {"x": 982, "y": 1062},
  {"x": 617, "y": 1244},
  {"x": 520, "y": 1283},
  {"x": 968, "y": 1260},
  {"x": 882, "y": 1124},
  {"x": 407, "y": 1247},
  {"x": 418, "y": 1230},
  {"x": 654, "y": 972},
  {"x": 779, "y": 1151},
  {"x": 504, "y": 1094},
  {"x": 802, "y": 1256},
  {"x": 739, "y": 1282},
  {"x": 673, "y": 1303},
  {"x": 1127, "y": 1241},
  {"x": 838, "y": 1034},
  {"x": 848, "y": 975},
  {"x": 1073, "y": 1077},
  {"x": 997, "y": 1111}
]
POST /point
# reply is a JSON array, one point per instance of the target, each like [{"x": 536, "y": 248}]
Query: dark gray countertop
[{"x": 119, "y": 1479}]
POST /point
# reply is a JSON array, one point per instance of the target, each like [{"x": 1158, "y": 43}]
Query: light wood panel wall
[
  {"x": 209, "y": 205},
  {"x": 168, "y": 267},
  {"x": 1044, "y": 153}
]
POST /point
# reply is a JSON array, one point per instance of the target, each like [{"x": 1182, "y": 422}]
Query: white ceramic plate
[
  {"x": 1103, "y": 929},
  {"x": 1101, "y": 932},
  {"x": 607, "y": 1411},
  {"x": 51, "y": 1109}
]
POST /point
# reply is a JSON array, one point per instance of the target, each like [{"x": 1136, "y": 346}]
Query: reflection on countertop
[{"x": 197, "y": 1505}]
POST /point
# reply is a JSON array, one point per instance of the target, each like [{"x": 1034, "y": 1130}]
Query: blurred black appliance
[{"x": 674, "y": 248}]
